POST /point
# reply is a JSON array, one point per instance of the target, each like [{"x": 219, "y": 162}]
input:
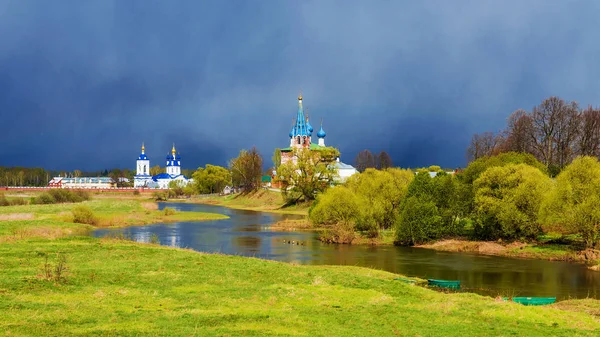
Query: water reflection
[{"x": 248, "y": 233}]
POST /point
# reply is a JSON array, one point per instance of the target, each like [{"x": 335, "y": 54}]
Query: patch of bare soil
[
  {"x": 291, "y": 225},
  {"x": 16, "y": 216},
  {"x": 489, "y": 248},
  {"x": 589, "y": 255},
  {"x": 150, "y": 205}
]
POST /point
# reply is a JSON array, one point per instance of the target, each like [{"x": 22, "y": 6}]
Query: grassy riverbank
[
  {"x": 543, "y": 250},
  {"x": 54, "y": 219},
  {"x": 108, "y": 286},
  {"x": 262, "y": 201}
]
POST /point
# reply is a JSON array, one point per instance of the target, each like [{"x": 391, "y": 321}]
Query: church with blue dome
[
  {"x": 162, "y": 180},
  {"x": 301, "y": 137}
]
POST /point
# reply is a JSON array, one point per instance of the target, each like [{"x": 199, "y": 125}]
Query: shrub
[
  {"x": 419, "y": 222},
  {"x": 572, "y": 206},
  {"x": 336, "y": 205},
  {"x": 44, "y": 198},
  {"x": 57, "y": 196},
  {"x": 169, "y": 211},
  {"x": 4, "y": 201},
  {"x": 160, "y": 196},
  {"x": 17, "y": 201},
  {"x": 83, "y": 214},
  {"x": 136, "y": 192},
  {"x": 507, "y": 202}
]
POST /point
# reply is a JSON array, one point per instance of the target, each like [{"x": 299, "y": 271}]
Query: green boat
[
  {"x": 534, "y": 300},
  {"x": 444, "y": 284}
]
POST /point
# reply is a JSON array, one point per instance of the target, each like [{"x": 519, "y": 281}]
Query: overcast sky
[{"x": 84, "y": 83}]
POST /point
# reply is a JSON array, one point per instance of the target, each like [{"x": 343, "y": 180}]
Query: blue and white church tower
[
  {"x": 162, "y": 180},
  {"x": 142, "y": 176},
  {"x": 174, "y": 163}
]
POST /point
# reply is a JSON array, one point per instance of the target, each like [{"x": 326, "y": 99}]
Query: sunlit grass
[{"x": 127, "y": 288}]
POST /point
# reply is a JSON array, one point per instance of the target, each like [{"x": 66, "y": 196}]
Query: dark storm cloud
[{"x": 83, "y": 83}]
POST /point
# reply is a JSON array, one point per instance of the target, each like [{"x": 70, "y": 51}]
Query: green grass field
[
  {"x": 112, "y": 287},
  {"x": 52, "y": 284},
  {"x": 111, "y": 212}
]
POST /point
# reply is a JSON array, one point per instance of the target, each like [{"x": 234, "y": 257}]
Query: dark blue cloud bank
[{"x": 83, "y": 83}]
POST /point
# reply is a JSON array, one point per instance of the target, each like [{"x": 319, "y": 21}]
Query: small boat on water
[
  {"x": 534, "y": 300},
  {"x": 444, "y": 284}
]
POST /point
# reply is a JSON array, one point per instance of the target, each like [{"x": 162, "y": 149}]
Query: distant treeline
[
  {"x": 28, "y": 176},
  {"x": 554, "y": 132}
]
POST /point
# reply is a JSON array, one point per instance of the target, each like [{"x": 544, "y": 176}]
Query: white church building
[{"x": 162, "y": 180}]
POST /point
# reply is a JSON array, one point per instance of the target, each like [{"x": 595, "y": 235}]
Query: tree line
[
  {"x": 366, "y": 159},
  {"x": 554, "y": 132},
  {"x": 509, "y": 196}
]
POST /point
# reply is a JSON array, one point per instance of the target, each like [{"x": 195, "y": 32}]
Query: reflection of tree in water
[{"x": 247, "y": 244}]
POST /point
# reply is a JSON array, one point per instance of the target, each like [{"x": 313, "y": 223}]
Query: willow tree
[
  {"x": 573, "y": 205},
  {"x": 311, "y": 172},
  {"x": 211, "y": 179},
  {"x": 508, "y": 200}
]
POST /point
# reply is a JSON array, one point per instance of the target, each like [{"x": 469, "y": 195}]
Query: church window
[{"x": 144, "y": 169}]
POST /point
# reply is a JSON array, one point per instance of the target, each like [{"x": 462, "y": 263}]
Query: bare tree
[
  {"x": 364, "y": 160},
  {"x": 484, "y": 144},
  {"x": 567, "y": 132},
  {"x": 519, "y": 132},
  {"x": 555, "y": 127},
  {"x": 383, "y": 160},
  {"x": 589, "y": 136},
  {"x": 246, "y": 169}
]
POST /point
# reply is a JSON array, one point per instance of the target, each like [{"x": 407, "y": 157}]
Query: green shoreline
[{"x": 536, "y": 250}]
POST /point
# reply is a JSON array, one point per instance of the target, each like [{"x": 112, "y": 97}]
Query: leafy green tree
[
  {"x": 211, "y": 179},
  {"x": 338, "y": 205},
  {"x": 381, "y": 193},
  {"x": 155, "y": 170},
  {"x": 312, "y": 172},
  {"x": 277, "y": 158},
  {"x": 338, "y": 210},
  {"x": 477, "y": 167},
  {"x": 436, "y": 200},
  {"x": 418, "y": 222},
  {"x": 573, "y": 206},
  {"x": 176, "y": 188},
  {"x": 507, "y": 201}
]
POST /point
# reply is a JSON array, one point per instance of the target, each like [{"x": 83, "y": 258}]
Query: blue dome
[
  {"x": 321, "y": 133},
  {"x": 178, "y": 157},
  {"x": 292, "y": 133},
  {"x": 142, "y": 157},
  {"x": 309, "y": 127}
]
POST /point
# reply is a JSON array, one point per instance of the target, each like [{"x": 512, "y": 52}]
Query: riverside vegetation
[{"x": 507, "y": 198}]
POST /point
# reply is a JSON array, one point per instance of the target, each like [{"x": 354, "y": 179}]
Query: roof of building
[
  {"x": 321, "y": 133},
  {"x": 143, "y": 157},
  {"x": 266, "y": 179},
  {"x": 313, "y": 146},
  {"x": 168, "y": 176},
  {"x": 343, "y": 166},
  {"x": 301, "y": 127}
]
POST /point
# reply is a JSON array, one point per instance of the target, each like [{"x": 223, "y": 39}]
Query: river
[{"x": 247, "y": 233}]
